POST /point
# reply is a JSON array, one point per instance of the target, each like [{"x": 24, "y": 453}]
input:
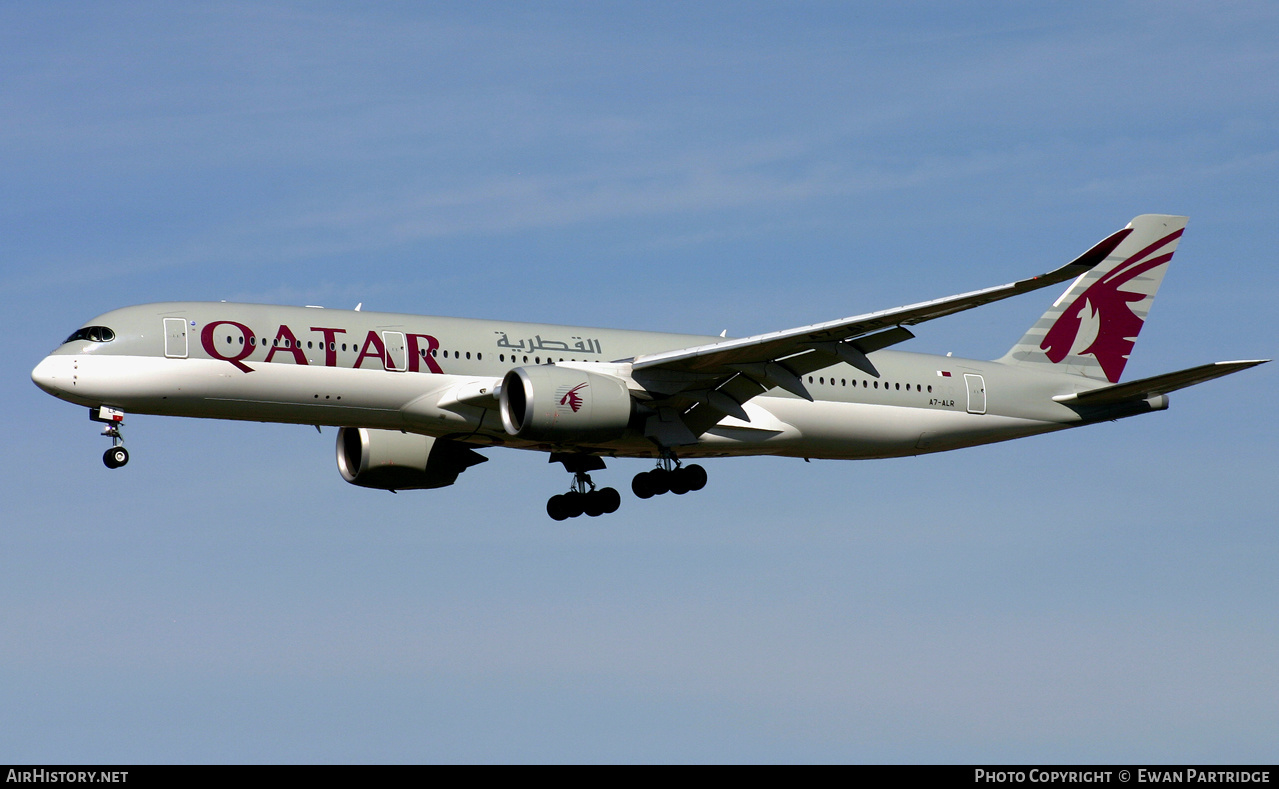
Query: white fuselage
[{"x": 439, "y": 377}]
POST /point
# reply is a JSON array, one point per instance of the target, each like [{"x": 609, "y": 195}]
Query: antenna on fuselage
[{"x": 357, "y": 306}]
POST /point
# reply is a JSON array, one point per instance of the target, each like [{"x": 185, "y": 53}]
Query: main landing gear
[
  {"x": 117, "y": 455},
  {"x": 582, "y": 498},
  {"x": 668, "y": 477}
]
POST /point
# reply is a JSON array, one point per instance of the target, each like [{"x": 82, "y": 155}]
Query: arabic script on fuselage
[{"x": 537, "y": 344}]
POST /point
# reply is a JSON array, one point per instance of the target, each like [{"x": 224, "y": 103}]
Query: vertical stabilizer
[{"x": 1091, "y": 329}]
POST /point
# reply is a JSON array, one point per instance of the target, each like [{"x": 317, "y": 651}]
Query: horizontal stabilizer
[{"x": 1157, "y": 385}]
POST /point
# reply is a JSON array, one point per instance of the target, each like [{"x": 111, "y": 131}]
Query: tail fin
[{"x": 1091, "y": 329}]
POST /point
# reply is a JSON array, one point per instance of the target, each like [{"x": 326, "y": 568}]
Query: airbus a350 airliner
[{"x": 414, "y": 397}]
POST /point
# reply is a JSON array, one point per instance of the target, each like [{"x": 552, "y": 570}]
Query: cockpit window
[{"x": 92, "y": 334}]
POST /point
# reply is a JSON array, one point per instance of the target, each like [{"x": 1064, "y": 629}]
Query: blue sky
[{"x": 1105, "y": 594}]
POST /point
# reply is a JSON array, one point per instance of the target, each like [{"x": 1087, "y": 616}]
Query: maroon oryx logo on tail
[
  {"x": 1116, "y": 324},
  {"x": 572, "y": 399}
]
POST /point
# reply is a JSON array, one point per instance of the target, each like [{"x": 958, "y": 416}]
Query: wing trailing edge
[
  {"x": 718, "y": 358},
  {"x": 701, "y": 385}
]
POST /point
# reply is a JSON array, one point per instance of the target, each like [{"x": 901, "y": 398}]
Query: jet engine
[
  {"x": 391, "y": 460},
  {"x": 563, "y": 404}
]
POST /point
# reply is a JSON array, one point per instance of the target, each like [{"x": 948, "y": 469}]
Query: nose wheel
[{"x": 117, "y": 455}]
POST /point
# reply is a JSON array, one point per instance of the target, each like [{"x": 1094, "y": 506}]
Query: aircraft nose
[{"x": 54, "y": 374}]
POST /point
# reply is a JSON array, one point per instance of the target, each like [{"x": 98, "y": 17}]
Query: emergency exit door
[
  {"x": 976, "y": 393},
  {"x": 175, "y": 338}
]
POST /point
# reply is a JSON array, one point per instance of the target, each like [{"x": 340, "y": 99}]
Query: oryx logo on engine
[{"x": 570, "y": 397}]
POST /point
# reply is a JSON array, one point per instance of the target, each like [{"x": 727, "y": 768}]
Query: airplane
[{"x": 415, "y": 397}]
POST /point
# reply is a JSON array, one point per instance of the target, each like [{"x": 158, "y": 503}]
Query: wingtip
[{"x": 1101, "y": 249}]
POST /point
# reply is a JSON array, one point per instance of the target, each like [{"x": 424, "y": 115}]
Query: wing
[{"x": 697, "y": 387}]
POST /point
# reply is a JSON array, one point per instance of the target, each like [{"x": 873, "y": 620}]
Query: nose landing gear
[{"x": 117, "y": 455}]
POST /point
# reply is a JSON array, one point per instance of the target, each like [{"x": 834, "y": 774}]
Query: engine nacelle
[
  {"x": 391, "y": 460},
  {"x": 563, "y": 404}
]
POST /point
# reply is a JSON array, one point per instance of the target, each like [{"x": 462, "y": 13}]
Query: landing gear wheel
[
  {"x": 583, "y": 497},
  {"x": 640, "y": 486},
  {"x": 556, "y": 509},
  {"x": 594, "y": 504},
  {"x": 669, "y": 477},
  {"x": 115, "y": 457},
  {"x": 574, "y": 503},
  {"x": 611, "y": 499},
  {"x": 696, "y": 476}
]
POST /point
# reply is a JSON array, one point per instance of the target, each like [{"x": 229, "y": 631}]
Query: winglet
[{"x": 1101, "y": 250}]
